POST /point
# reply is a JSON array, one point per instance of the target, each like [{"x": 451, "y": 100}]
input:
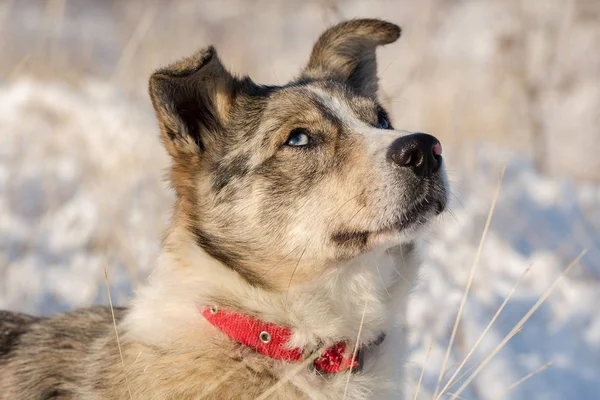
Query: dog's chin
[{"x": 399, "y": 233}]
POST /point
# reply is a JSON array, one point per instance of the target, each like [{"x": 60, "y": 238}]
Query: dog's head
[{"x": 281, "y": 180}]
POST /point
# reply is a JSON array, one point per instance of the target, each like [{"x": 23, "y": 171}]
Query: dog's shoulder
[
  {"x": 12, "y": 327},
  {"x": 80, "y": 326},
  {"x": 42, "y": 355}
]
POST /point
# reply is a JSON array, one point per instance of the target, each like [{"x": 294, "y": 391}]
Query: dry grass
[
  {"x": 452, "y": 381},
  {"x": 520, "y": 381},
  {"x": 112, "y": 311},
  {"x": 518, "y": 327},
  {"x": 420, "y": 381},
  {"x": 468, "y": 286},
  {"x": 354, "y": 352}
]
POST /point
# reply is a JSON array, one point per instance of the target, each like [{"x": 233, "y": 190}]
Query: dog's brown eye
[
  {"x": 298, "y": 137},
  {"x": 383, "y": 122}
]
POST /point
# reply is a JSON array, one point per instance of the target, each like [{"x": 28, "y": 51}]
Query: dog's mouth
[
  {"x": 407, "y": 222},
  {"x": 416, "y": 216}
]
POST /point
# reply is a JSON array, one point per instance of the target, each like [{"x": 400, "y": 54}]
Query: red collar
[{"x": 270, "y": 340}]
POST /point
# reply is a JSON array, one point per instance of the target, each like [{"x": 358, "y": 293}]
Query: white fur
[{"x": 328, "y": 310}]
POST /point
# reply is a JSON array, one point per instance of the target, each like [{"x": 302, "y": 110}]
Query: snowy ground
[
  {"x": 539, "y": 222},
  {"x": 81, "y": 190}
]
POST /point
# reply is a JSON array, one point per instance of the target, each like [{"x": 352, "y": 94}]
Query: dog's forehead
[{"x": 326, "y": 98}]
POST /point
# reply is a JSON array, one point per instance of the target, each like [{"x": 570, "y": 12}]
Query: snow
[
  {"x": 538, "y": 222},
  {"x": 81, "y": 189}
]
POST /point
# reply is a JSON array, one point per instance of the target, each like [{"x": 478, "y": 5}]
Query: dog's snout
[{"x": 419, "y": 151}]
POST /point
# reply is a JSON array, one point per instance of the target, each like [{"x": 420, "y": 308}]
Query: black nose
[{"x": 419, "y": 151}]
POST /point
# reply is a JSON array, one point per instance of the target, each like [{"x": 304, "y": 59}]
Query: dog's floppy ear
[
  {"x": 191, "y": 99},
  {"x": 346, "y": 52}
]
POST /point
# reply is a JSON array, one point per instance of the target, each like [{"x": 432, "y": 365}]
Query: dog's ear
[
  {"x": 346, "y": 52},
  {"x": 192, "y": 99}
]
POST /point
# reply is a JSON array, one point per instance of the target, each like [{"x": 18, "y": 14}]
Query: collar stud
[{"x": 265, "y": 337}]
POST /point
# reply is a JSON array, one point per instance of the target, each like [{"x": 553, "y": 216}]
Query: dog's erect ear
[
  {"x": 192, "y": 98},
  {"x": 346, "y": 52}
]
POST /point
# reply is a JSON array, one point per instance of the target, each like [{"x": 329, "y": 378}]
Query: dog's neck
[{"x": 368, "y": 291}]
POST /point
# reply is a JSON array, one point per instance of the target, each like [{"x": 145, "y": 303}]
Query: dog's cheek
[{"x": 354, "y": 191}]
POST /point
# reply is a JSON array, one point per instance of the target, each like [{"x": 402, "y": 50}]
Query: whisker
[
  {"x": 280, "y": 261},
  {"x": 457, "y": 199},
  {"x": 381, "y": 279},
  {"x": 403, "y": 263},
  {"x": 294, "y": 270},
  {"x": 357, "y": 211},
  {"x": 342, "y": 206},
  {"x": 451, "y": 213}
]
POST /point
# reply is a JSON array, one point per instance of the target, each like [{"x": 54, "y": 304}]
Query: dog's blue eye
[
  {"x": 298, "y": 137},
  {"x": 383, "y": 123}
]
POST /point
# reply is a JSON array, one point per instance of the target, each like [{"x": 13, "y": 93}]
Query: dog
[{"x": 291, "y": 253}]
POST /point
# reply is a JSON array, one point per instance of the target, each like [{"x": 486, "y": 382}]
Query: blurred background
[{"x": 502, "y": 83}]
